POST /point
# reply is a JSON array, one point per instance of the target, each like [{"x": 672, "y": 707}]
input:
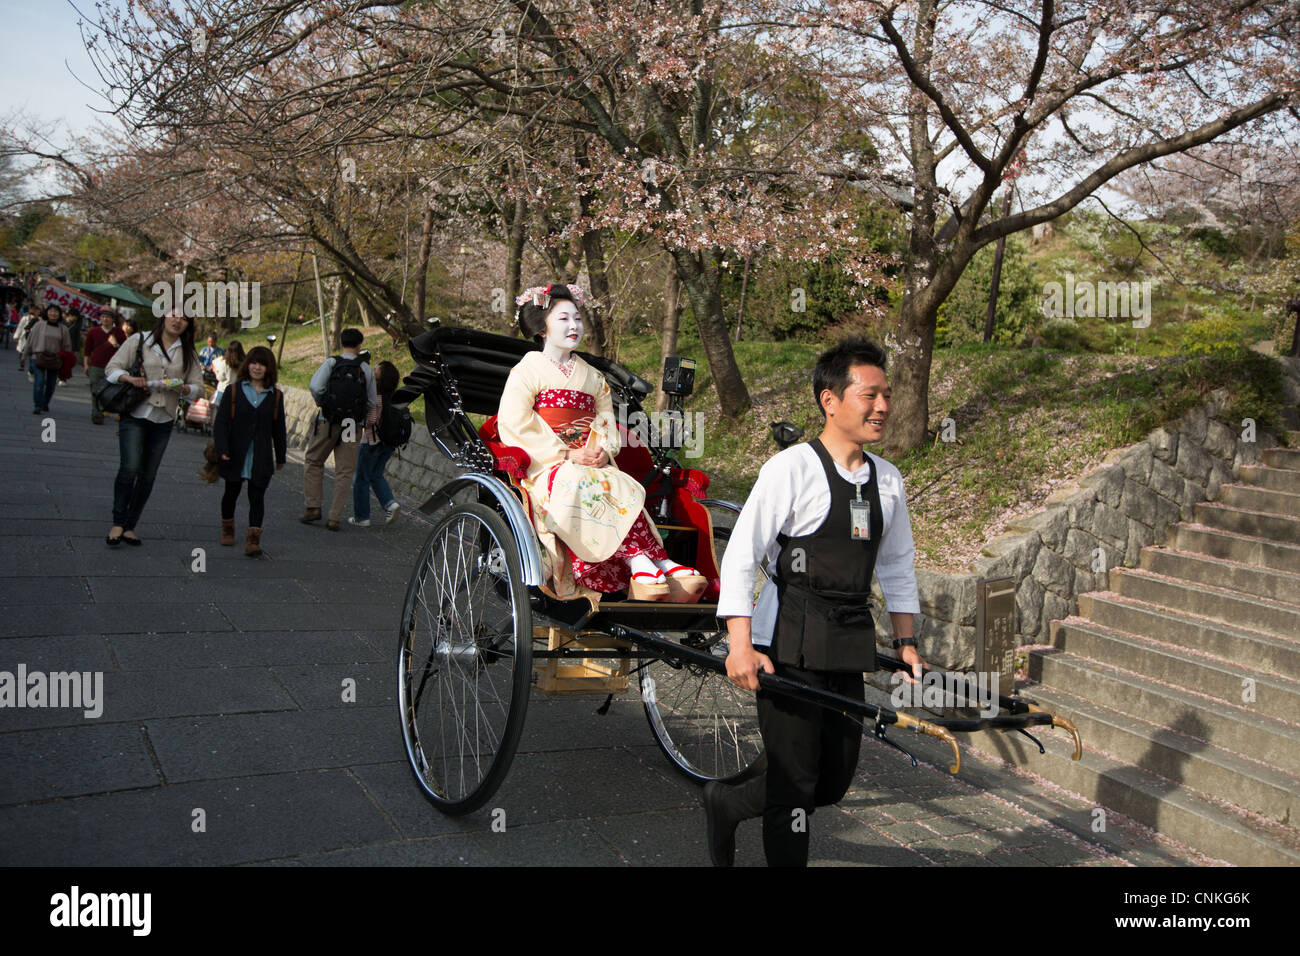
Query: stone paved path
[{"x": 222, "y": 692}]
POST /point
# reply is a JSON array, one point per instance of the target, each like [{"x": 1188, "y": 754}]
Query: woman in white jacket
[{"x": 171, "y": 369}]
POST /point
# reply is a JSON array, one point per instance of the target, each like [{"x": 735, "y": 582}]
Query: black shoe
[
  {"x": 721, "y": 829},
  {"x": 113, "y": 542},
  {"x": 133, "y": 542}
]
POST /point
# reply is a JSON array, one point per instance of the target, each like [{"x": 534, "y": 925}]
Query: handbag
[
  {"x": 48, "y": 361},
  {"x": 121, "y": 398}
]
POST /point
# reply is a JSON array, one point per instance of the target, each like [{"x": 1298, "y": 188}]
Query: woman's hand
[
  {"x": 139, "y": 381},
  {"x": 592, "y": 458},
  {"x": 227, "y": 458}
]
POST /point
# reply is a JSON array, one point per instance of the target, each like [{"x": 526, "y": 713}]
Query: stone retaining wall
[{"x": 1102, "y": 521}]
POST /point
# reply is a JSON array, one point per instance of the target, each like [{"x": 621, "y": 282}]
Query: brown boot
[
  {"x": 253, "y": 543},
  {"x": 227, "y": 531}
]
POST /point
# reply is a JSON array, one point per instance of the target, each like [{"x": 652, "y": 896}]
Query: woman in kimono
[{"x": 595, "y": 534}]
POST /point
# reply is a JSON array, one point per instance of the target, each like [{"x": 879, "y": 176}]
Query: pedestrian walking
[
  {"x": 9, "y": 325},
  {"x": 387, "y": 427},
  {"x": 101, "y": 343},
  {"x": 76, "y": 328},
  {"x": 226, "y": 366},
  {"x": 46, "y": 338},
  {"x": 250, "y": 441},
  {"x": 170, "y": 370},
  {"x": 29, "y": 318},
  {"x": 344, "y": 390},
  {"x": 210, "y": 352}
]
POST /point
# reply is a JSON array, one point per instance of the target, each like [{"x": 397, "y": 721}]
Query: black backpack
[
  {"x": 345, "y": 392},
  {"x": 394, "y": 425}
]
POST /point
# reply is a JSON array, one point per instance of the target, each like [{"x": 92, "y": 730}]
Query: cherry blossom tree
[{"x": 957, "y": 90}]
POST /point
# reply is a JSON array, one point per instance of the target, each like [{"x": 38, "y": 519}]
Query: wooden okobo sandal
[{"x": 645, "y": 586}]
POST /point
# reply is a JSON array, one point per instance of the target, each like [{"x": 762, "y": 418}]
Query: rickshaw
[{"x": 481, "y": 630}]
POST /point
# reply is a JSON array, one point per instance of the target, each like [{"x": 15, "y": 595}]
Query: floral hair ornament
[{"x": 541, "y": 295}]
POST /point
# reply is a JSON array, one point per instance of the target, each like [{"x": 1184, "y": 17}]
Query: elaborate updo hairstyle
[{"x": 535, "y": 303}]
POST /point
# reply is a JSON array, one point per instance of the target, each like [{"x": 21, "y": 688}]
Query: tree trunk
[
  {"x": 699, "y": 278},
  {"x": 744, "y": 287},
  {"x": 671, "y": 319},
  {"x": 288, "y": 309},
  {"x": 593, "y": 247},
  {"x": 515, "y": 257},
  {"x": 336, "y": 316},
  {"x": 912, "y": 351},
  {"x": 991, "y": 315},
  {"x": 422, "y": 263}
]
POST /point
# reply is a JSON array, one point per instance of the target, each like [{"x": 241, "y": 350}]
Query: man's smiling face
[{"x": 861, "y": 414}]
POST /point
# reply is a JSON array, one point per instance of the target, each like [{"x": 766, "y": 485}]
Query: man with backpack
[{"x": 344, "y": 390}]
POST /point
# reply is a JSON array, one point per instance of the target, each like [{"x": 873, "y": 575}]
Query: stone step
[
  {"x": 1261, "y": 499},
  {"x": 1243, "y": 548},
  {"x": 1230, "y": 726},
  {"x": 1170, "y": 808},
  {"x": 1179, "y": 753},
  {"x": 1257, "y": 523},
  {"x": 1102, "y": 639},
  {"x": 1278, "y": 479},
  {"x": 1279, "y": 619},
  {"x": 1288, "y": 458},
  {"x": 1261, "y": 582}
]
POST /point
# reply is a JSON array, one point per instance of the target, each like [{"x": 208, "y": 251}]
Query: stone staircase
[{"x": 1184, "y": 677}]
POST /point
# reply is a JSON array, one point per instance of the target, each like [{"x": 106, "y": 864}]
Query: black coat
[{"x": 263, "y": 426}]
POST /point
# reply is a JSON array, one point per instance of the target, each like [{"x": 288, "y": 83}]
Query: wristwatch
[{"x": 904, "y": 642}]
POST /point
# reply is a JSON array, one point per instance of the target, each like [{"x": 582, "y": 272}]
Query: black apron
[{"x": 823, "y": 583}]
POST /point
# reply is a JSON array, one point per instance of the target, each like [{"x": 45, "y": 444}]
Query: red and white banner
[{"x": 56, "y": 293}]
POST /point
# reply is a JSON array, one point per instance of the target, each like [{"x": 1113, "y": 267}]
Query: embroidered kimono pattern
[{"x": 588, "y": 520}]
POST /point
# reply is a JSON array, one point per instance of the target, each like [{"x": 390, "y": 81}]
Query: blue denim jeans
[
  {"x": 371, "y": 462},
  {"x": 142, "y": 444},
  {"x": 43, "y": 386}
]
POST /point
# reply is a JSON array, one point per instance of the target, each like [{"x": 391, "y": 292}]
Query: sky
[{"x": 45, "y": 64}]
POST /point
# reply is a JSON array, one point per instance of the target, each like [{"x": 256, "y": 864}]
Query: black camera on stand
[{"x": 669, "y": 431}]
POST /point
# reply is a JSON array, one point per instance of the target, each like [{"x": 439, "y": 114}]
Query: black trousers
[
  {"x": 256, "y": 501},
  {"x": 812, "y": 755}
]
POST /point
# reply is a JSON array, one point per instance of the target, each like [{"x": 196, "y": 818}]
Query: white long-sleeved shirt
[{"x": 792, "y": 497}]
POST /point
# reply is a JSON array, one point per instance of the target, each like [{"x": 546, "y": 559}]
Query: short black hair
[
  {"x": 833, "y": 365},
  {"x": 351, "y": 338}
]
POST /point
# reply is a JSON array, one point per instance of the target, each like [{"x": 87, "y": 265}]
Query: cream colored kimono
[{"x": 590, "y": 510}]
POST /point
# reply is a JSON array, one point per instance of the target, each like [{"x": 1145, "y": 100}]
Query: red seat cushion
[{"x": 510, "y": 459}]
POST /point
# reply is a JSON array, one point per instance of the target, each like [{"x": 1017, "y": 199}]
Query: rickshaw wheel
[
  {"x": 705, "y": 725},
  {"x": 465, "y": 662}
]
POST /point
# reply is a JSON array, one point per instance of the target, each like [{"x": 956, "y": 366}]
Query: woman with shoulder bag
[
  {"x": 170, "y": 369},
  {"x": 46, "y": 338},
  {"x": 250, "y": 442}
]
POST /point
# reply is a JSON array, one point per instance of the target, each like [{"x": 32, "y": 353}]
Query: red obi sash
[{"x": 568, "y": 412}]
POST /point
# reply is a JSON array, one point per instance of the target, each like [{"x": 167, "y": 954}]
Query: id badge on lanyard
[{"x": 860, "y": 517}]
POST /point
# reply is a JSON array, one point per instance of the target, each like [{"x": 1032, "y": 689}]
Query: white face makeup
[{"x": 563, "y": 327}]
